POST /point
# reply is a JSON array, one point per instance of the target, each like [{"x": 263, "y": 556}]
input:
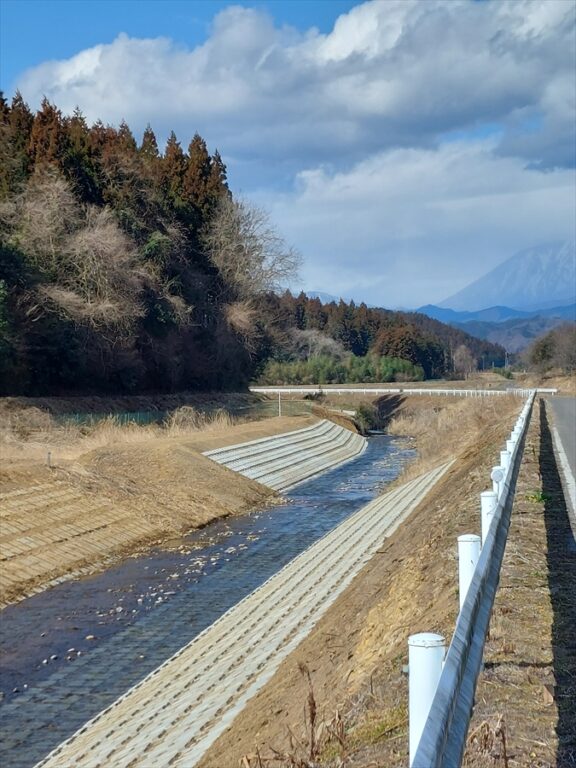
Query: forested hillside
[
  {"x": 127, "y": 268},
  {"x": 323, "y": 336}
]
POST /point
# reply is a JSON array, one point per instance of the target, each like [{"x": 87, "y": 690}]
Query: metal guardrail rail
[{"x": 443, "y": 738}]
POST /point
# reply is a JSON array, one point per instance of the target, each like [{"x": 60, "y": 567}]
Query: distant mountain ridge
[
  {"x": 511, "y": 328},
  {"x": 495, "y": 314},
  {"x": 515, "y": 334},
  {"x": 543, "y": 276}
]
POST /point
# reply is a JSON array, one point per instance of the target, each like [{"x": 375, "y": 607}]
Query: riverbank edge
[
  {"x": 353, "y": 662},
  {"x": 198, "y": 492}
]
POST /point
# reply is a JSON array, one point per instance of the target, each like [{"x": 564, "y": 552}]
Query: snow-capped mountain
[
  {"x": 534, "y": 278},
  {"x": 325, "y": 298}
]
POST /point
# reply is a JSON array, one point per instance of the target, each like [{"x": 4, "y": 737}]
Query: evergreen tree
[
  {"x": 149, "y": 146},
  {"x": 218, "y": 178},
  {"x": 4, "y": 109},
  {"x": 173, "y": 168},
  {"x": 15, "y": 130},
  {"x": 79, "y": 162},
  {"x": 6, "y": 157},
  {"x": 126, "y": 141},
  {"x": 197, "y": 176},
  {"x": 20, "y": 121},
  {"x": 49, "y": 142}
]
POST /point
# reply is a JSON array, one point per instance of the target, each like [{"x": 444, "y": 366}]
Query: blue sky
[
  {"x": 404, "y": 147},
  {"x": 33, "y": 31}
]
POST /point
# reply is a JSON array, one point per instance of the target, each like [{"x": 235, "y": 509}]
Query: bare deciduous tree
[
  {"x": 91, "y": 266},
  {"x": 555, "y": 349},
  {"x": 42, "y": 217},
  {"x": 241, "y": 317},
  {"x": 103, "y": 271},
  {"x": 565, "y": 347},
  {"x": 464, "y": 361},
  {"x": 312, "y": 343},
  {"x": 247, "y": 250}
]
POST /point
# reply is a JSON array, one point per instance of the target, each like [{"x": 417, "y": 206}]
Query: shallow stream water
[{"x": 69, "y": 652}]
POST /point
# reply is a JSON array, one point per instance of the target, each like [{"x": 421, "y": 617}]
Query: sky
[{"x": 404, "y": 147}]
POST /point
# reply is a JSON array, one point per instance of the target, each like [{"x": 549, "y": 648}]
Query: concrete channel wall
[
  {"x": 177, "y": 712},
  {"x": 285, "y": 460}
]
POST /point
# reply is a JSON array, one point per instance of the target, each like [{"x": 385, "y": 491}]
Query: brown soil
[
  {"x": 356, "y": 653},
  {"x": 76, "y": 515}
]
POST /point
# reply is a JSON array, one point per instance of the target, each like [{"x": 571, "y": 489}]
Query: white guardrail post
[
  {"x": 505, "y": 457},
  {"x": 425, "y": 657},
  {"x": 488, "y": 502},
  {"x": 468, "y": 556},
  {"x": 440, "y": 742}
]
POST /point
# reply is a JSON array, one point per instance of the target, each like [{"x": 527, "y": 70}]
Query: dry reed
[
  {"x": 28, "y": 434},
  {"x": 444, "y": 429}
]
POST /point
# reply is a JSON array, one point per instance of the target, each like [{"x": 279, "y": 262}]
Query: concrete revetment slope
[
  {"x": 285, "y": 460},
  {"x": 174, "y": 715}
]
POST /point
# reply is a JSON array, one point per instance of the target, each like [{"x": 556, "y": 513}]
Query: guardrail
[
  {"x": 442, "y": 690},
  {"x": 397, "y": 390}
]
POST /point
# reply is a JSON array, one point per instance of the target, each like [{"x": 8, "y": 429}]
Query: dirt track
[{"x": 73, "y": 518}]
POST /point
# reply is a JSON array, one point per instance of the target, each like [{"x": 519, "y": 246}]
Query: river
[{"x": 69, "y": 652}]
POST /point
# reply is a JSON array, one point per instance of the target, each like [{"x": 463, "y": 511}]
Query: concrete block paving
[{"x": 182, "y": 705}]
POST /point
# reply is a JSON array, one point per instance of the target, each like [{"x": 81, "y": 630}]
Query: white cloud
[
  {"x": 356, "y": 122},
  {"x": 393, "y": 73},
  {"x": 408, "y": 227}
]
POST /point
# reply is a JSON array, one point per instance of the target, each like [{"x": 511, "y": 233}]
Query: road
[
  {"x": 564, "y": 435},
  {"x": 178, "y": 711},
  {"x": 565, "y": 421}
]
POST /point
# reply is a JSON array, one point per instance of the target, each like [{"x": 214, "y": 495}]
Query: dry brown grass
[
  {"x": 29, "y": 433},
  {"x": 564, "y": 383},
  {"x": 445, "y": 429}
]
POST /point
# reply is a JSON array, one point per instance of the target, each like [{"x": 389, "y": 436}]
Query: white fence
[
  {"x": 396, "y": 391},
  {"x": 442, "y": 690}
]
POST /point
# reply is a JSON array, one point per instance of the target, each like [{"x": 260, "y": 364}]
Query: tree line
[
  {"x": 553, "y": 350},
  {"x": 305, "y": 327},
  {"x": 125, "y": 267}
]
